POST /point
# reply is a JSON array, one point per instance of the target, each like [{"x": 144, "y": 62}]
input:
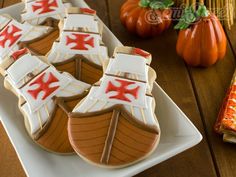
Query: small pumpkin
[
  {"x": 146, "y": 18},
  {"x": 201, "y": 40}
]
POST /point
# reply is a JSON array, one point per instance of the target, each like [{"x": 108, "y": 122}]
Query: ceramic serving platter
[{"x": 178, "y": 133}]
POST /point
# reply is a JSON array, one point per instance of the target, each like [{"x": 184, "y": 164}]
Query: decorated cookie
[
  {"x": 14, "y": 35},
  {"x": 80, "y": 50},
  {"x": 226, "y": 122},
  {"x": 44, "y": 12},
  {"x": 46, "y": 96},
  {"x": 115, "y": 125}
]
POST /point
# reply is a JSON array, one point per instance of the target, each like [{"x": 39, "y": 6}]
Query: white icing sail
[
  {"x": 13, "y": 32},
  {"x": 80, "y": 35},
  {"x": 37, "y": 11}
]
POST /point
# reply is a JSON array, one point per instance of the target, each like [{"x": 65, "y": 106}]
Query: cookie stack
[
  {"x": 110, "y": 123},
  {"x": 226, "y": 122}
]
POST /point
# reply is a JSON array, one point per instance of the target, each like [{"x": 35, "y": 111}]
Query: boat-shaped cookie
[
  {"x": 115, "y": 125},
  {"x": 80, "y": 50},
  {"x": 46, "y": 96}
]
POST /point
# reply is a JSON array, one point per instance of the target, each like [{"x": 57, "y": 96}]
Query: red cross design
[
  {"x": 122, "y": 90},
  {"x": 43, "y": 86},
  {"x": 11, "y": 36},
  {"x": 44, "y": 5},
  {"x": 80, "y": 41}
]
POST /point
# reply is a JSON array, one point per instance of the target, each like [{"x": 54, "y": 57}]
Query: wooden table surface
[{"x": 198, "y": 92}]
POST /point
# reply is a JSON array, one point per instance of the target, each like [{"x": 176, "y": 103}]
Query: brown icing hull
[
  {"x": 81, "y": 68},
  {"x": 111, "y": 138},
  {"x": 54, "y": 135},
  {"x": 43, "y": 44}
]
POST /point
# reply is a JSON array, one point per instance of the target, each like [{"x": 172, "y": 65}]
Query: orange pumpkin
[
  {"x": 146, "y": 18},
  {"x": 203, "y": 43}
]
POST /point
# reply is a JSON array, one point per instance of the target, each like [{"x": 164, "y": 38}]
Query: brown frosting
[
  {"x": 81, "y": 68},
  {"x": 111, "y": 137}
]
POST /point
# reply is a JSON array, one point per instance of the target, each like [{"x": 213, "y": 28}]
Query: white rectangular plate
[{"x": 178, "y": 133}]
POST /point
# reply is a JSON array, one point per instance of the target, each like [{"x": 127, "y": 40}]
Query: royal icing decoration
[
  {"x": 17, "y": 54},
  {"x": 122, "y": 91},
  {"x": 88, "y": 11},
  {"x": 39, "y": 10},
  {"x": 13, "y": 33},
  {"x": 4, "y": 20},
  {"x": 226, "y": 120},
  {"x": 43, "y": 88},
  {"x": 118, "y": 86},
  {"x": 86, "y": 22},
  {"x": 44, "y": 6},
  {"x": 79, "y": 37},
  {"x": 79, "y": 43},
  {"x": 10, "y": 34},
  {"x": 137, "y": 51},
  {"x": 22, "y": 67},
  {"x": 38, "y": 83},
  {"x": 138, "y": 67}
]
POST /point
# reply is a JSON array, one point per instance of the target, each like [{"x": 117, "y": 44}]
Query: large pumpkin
[
  {"x": 146, "y": 18},
  {"x": 203, "y": 43}
]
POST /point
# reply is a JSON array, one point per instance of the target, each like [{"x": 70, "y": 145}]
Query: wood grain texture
[
  {"x": 173, "y": 77},
  {"x": 198, "y": 92},
  {"x": 9, "y": 162},
  {"x": 10, "y": 2},
  {"x": 210, "y": 87}
]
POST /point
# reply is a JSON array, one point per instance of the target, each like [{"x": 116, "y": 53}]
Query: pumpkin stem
[
  {"x": 190, "y": 16},
  {"x": 202, "y": 11},
  {"x": 144, "y": 3},
  {"x": 156, "y": 4}
]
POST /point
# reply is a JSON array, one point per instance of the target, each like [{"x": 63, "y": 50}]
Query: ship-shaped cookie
[
  {"x": 226, "y": 122},
  {"x": 43, "y": 12},
  {"x": 13, "y": 36},
  {"x": 115, "y": 125},
  {"x": 46, "y": 96},
  {"x": 80, "y": 50}
]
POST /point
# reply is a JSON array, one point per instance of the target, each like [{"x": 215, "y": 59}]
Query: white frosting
[
  {"x": 96, "y": 53},
  {"x": 35, "y": 13},
  {"x": 131, "y": 95},
  {"x": 35, "y": 103},
  {"x": 39, "y": 118},
  {"x": 10, "y": 36},
  {"x": 3, "y": 21},
  {"x": 15, "y": 32},
  {"x": 37, "y": 31},
  {"x": 37, "y": 108},
  {"x": 79, "y": 43},
  {"x": 20, "y": 68},
  {"x": 75, "y": 87},
  {"x": 90, "y": 105},
  {"x": 85, "y": 21},
  {"x": 56, "y": 55},
  {"x": 122, "y": 63}
]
